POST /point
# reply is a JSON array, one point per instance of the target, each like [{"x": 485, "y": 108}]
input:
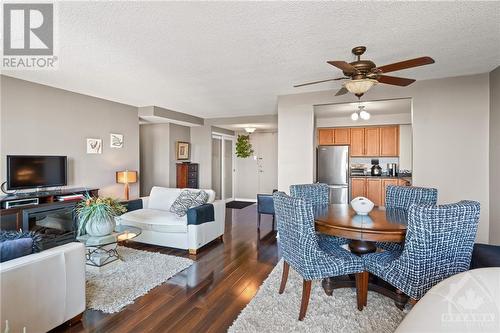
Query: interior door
[
  {"x": 228, "y": 169},
  {"x": 267, "y": 162}
]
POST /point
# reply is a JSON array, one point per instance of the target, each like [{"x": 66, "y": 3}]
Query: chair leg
[
  {"x": 258, "y": 221},
  {"x": 361, "y": 289},
  {"x": 284, "y": 277},
  {"x": 306, "y": 293},
  {"x": 273, "y": 222}
]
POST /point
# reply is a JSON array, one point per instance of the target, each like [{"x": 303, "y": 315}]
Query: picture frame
[
  {"x": 115, "y": 140},
  {"x": 94, "y": 146},
  {"x": 182, "y": 150}
]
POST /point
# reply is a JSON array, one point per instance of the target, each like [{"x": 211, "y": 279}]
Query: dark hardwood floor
[{"x": 207, "y": 296}]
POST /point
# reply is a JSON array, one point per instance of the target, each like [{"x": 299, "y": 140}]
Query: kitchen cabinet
[
  {"x": 325, "y": 136},
  {"x": 374, "y": 190},
  {"x": 341, "y": 136},
  {"x": 389, "y": 141},
  {"x": 358, "y": 187},
  {"x": 385, "y": 183},
  {"x": 357, "y": 141},
  {"x": 372, "y": 141}
]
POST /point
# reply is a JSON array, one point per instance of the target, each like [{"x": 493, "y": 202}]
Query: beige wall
[
  {"x": 201, "y": 153},
  {"x": 495, "y": 156},
  {"x": 177, "y": 133},
  {"x": 450, "y": 128},
  {"x": 38, "y": 119},
  {"x": 155, "y": 156}
]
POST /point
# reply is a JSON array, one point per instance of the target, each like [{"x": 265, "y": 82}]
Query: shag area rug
[
  {"x": 139, "y": 272},
  {"x": 269, "y": 311}
]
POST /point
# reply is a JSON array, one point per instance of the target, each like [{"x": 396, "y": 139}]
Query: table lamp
[{"x": 126, "y": 177}]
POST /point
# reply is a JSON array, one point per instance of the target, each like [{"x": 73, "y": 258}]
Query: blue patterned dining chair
[
  {"x": 438, "y": 244},
  {"x": 299, "y": 246},
  {"x": 402, "y": 197},
  {"x": 318, "y": 195},
  {"x": 265, "y": 205}
]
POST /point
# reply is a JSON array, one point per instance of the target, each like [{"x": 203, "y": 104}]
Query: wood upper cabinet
[
  {"x": 389, "y": 141},
  {"x": 372, "y": 141},
  {"x": 374, "y": 190},
  {"x": 385, "y": 183},
  {"x": 342, "y": 136},
  {"x": 357, "y": 141},
  {"x": 334, "y": 136},
  {"x": 358, "y": 187},
  {"x": 325, "y": 136}
]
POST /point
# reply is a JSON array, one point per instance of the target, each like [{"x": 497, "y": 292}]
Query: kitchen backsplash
[{"x": 367, "y": 161}]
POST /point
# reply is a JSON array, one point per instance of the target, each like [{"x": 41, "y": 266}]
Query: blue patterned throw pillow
[{"x": 183, "y": 202}]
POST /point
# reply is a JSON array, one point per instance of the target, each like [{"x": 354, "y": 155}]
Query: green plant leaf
[{"x": 243, "y": 146}]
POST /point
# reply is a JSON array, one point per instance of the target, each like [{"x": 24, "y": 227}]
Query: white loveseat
[
  {"x": 162, "y": 227},
  {"x": 43, "y": 290}
]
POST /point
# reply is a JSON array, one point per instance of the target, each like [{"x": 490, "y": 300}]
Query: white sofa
[
  {"x": 43, "y": 290},
  {"x": 162, "y": 227}
]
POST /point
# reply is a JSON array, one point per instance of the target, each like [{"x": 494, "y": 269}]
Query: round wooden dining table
[{"x": 380, "y": 225}]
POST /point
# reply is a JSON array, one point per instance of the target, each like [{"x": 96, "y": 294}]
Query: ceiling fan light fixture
[
  {"x": 249, "y": 130},
  {"x": 354, "y": 116},
  {"x": 359, "y": 86}
]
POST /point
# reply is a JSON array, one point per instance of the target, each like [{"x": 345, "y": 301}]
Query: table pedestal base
[{"x": 360, "y": 247}]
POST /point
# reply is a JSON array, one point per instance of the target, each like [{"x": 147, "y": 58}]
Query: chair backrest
[
  {"x": 403, "y": 197},
  {"x": 316, "y": 194},
  {"x": 265, "y": 203},
  {"x": 439, "y": 243},
  {"x": 297, "y": 238}
]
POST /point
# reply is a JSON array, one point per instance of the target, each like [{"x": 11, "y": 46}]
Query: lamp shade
[
  {"x": 359, "y": 86},
  {"x": 126, "y": 177}
]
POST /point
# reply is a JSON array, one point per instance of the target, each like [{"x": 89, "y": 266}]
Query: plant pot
[{"x": 100, "y": 227}]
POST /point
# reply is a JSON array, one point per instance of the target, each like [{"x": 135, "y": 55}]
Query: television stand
[{"x": 12, "y": 218}]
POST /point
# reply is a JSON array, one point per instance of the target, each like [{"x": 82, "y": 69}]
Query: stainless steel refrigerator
[{"x": 333, "y": 169}]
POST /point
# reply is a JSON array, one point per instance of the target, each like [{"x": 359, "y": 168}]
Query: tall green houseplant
[{"x": 243, "y": 146}]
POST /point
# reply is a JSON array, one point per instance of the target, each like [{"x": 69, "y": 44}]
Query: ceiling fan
[{"x": 364, "y": 74}]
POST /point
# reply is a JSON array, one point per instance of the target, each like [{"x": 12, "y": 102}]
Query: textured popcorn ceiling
[{"x": 231, "y": 59}]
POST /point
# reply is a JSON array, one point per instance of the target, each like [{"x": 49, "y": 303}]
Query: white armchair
[
  {"x": 162, "y": 227},
  {"x": 43, "y": 290}
]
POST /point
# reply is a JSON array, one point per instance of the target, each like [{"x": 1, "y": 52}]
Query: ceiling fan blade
[
  {"x": 344, "y": 66},
  {"x": 321, "y": 81},
  {"x": 342, "y": 91},
  {"x": 397, "y": 81},
  {"x": 406, "y": 64}
]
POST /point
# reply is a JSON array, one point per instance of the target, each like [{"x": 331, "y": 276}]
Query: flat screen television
[{"x": 24, "y": 171}]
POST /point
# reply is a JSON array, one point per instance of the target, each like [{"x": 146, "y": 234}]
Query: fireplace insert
[{"x": 56, "y": 223}]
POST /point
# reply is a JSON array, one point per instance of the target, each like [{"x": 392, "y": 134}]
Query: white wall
[
  {"x": 42, "y": 120},
  {"x": 450, "y": 128},
  {"x": 155, "y": 153},
  {"x": 405, "y": 148},
  {"x": 249, "y": 181},
  {"x": 375, "y": 119},
  {"x": 176, "y": 133},
  {"x": 201, "y": 153},
  {"x": 495, "y": 156}
]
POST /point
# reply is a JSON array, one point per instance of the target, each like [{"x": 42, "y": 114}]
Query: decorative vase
[
  {"x": 362, "y": 205},
  {"x": 100, "y": 227}
]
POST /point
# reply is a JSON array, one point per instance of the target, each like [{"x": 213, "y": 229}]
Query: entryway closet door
[
  {"x": 267, "y": 161},
  {"x": 223, "y": 166}
]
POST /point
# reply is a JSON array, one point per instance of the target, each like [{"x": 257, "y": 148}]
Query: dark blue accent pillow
[{"x": 14, "y": 244}]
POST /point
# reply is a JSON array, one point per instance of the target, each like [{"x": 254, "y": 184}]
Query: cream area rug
[
  {"x": 269, "y": 311},
  {"x": 111, "y": 289}
]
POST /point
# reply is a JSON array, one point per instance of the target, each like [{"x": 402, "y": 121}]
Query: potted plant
[
  {"x": 96, "y": 216},
  {"x": 243, "y": 146}
]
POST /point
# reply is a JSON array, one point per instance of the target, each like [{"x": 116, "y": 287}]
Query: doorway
[{"x": 223, "y": 166}]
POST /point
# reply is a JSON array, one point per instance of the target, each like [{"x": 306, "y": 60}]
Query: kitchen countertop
[{"x": 407, "y": 178}]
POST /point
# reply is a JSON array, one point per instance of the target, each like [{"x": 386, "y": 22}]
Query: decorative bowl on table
[{"x": 362, "y": 205}]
